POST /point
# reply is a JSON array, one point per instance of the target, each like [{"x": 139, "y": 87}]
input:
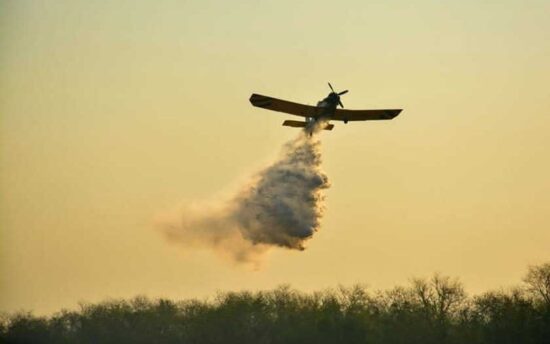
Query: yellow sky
[{"x": 113, "y": 112}]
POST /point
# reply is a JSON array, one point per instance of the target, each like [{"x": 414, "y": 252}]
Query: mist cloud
[{"x": 281, "y": 206}]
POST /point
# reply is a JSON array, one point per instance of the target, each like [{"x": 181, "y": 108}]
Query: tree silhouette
[
  {"x": 538, "y": 282},
  {"x": 435, "y": 310}
]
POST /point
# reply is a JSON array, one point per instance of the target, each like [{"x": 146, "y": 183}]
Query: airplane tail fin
[{"x": 298, "y": 124}]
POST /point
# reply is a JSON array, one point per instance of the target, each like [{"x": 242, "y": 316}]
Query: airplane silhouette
[{"x": 326, "y": 110}]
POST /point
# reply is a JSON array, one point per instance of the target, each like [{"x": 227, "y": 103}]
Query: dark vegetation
[{"x": 426, "y": 311}]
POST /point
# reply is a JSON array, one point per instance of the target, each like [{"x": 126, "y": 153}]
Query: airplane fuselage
[{"x": 327, "y": 106}]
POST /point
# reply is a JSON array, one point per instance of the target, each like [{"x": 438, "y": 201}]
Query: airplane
[{"x": 326, "y": 110}]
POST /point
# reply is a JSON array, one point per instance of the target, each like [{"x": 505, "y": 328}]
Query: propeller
[{"x": 338, "y": 94}]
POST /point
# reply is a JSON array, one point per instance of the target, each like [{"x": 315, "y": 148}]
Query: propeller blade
[
  {"x": 340, "y": 102},
  {"x": 343, "y": 92},
  {"x": 329, "y": 85}
]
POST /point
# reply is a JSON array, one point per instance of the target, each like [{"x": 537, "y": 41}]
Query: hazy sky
[{"x": 115, "y": 111}]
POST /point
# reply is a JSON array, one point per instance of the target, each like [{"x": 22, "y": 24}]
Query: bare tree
[
  {"x": 440, "y": 296},
  {"x": 538, "y": 281}
]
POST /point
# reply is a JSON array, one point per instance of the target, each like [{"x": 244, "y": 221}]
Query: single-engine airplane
[{"x": 325, "y": 110}]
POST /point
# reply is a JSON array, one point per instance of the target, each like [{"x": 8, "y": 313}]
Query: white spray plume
[{"x": 281, "y": 206}]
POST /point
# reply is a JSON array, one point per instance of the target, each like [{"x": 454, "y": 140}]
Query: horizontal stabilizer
[
  {"x": 298, "y": 124},
  {"x": 295, "y": 124}
]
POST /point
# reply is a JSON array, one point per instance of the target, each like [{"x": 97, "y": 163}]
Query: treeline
[{"x": 436, "y": 310}]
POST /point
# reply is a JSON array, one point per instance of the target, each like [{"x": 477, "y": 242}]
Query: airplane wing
[
  {"x": 364, "y": 115},
  {"x": 283, "y": 106}
]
